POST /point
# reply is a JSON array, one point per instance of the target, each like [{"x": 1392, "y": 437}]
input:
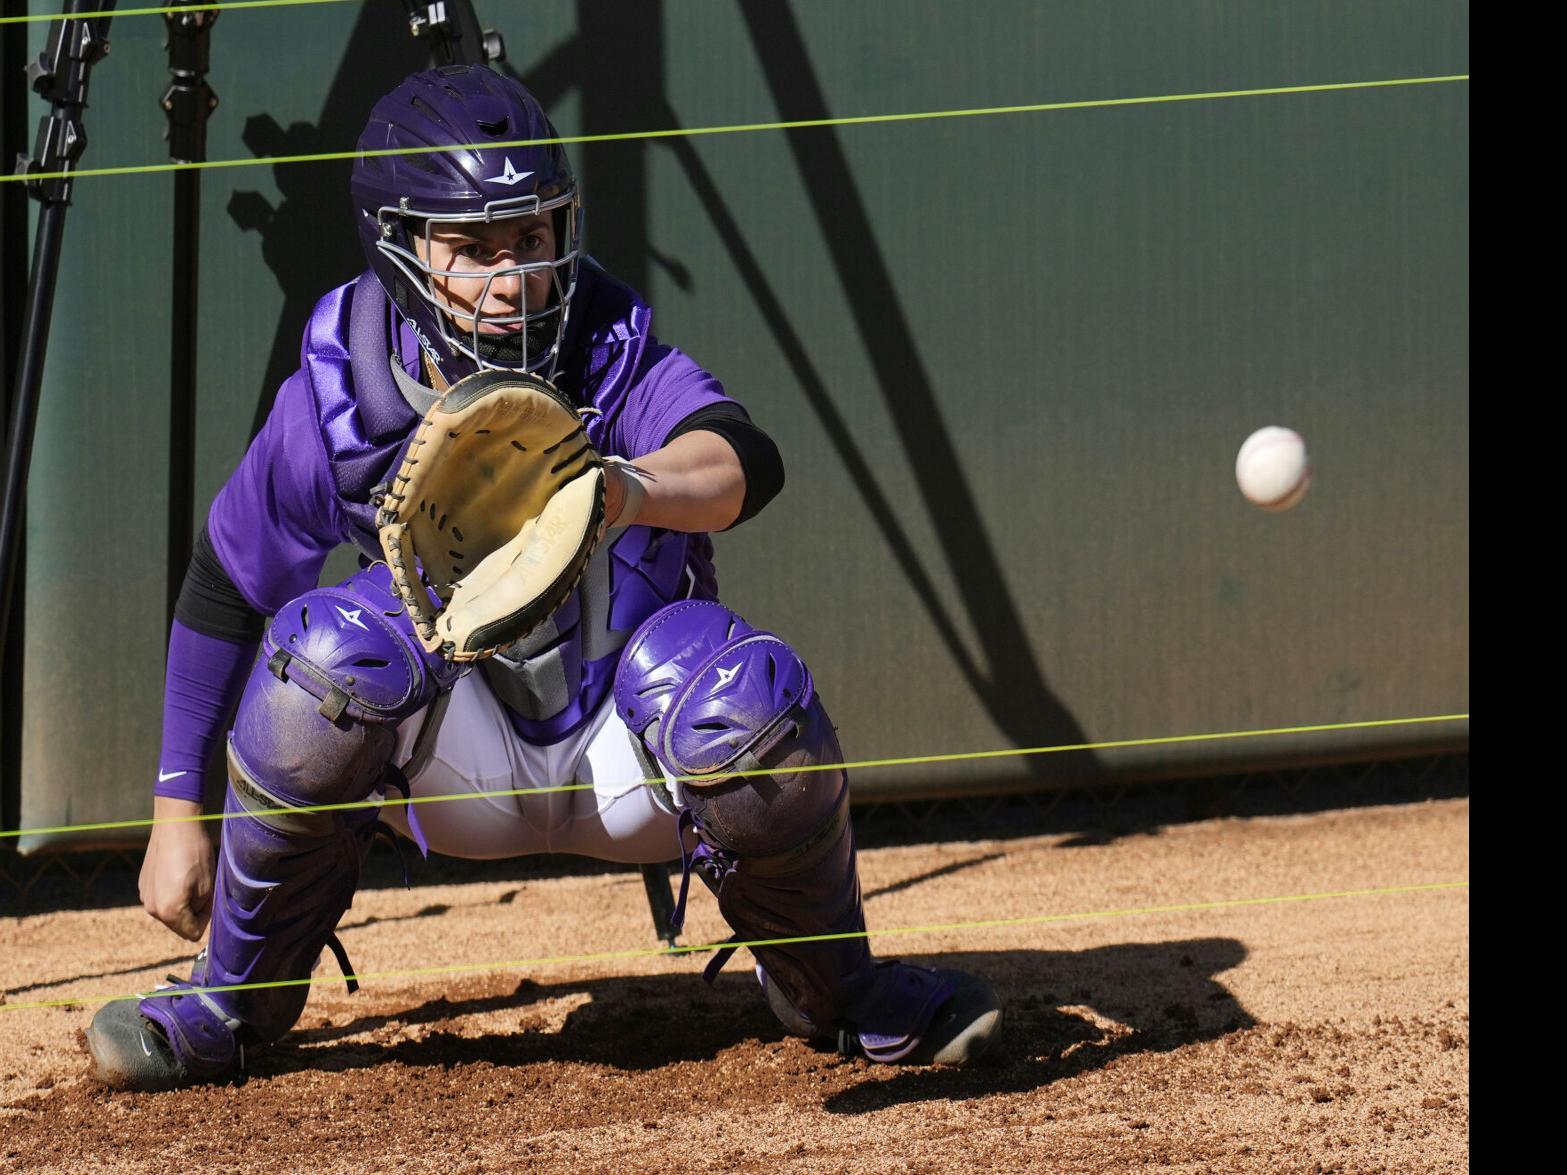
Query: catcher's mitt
[{"x": 500, "y": 500}]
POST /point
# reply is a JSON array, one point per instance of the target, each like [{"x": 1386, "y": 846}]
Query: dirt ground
[{"x": 1328, "y": 1035}]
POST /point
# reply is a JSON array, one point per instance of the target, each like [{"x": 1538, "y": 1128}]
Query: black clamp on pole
[
  {"x": 187, "y": 102},
  {"x": 452, "y": 29},
  {"x": 60, "y": 74}
]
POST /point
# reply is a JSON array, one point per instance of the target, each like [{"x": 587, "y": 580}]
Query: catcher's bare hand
[{"x": 177, "y": 872}]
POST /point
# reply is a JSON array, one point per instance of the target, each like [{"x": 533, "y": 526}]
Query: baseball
[{"x": 1272, "y": 468}]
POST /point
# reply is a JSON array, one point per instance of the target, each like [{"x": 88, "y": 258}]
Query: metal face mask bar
[{"x": 461, "y": 329}]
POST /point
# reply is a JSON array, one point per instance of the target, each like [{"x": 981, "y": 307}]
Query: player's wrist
[
  {"x": 175, "y": 812},
  {"x": 625, "y": 492}
]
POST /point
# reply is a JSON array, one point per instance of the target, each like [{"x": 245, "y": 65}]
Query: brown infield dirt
[{"x": 1327, "y": 1035}]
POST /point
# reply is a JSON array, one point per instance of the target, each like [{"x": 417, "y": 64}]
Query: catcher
[{"x": 531, "y": 477}]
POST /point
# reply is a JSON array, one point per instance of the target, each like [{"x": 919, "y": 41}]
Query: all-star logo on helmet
[
  {"x": 510, "y": 175},
  {"x": 427, "y": 183}
]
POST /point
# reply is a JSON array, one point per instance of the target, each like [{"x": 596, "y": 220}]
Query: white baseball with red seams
[{"x": 1272, "y": 468}]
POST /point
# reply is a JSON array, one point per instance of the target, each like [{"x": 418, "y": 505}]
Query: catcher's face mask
[
  {"x": 500, "y": 284},
  {"x": 464, "y": 149}
]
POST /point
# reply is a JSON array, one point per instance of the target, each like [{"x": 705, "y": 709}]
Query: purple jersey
[{"x": 336, "y": 436}]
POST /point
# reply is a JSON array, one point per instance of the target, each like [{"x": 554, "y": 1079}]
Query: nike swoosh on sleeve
[{"x": 164, "y": 778}]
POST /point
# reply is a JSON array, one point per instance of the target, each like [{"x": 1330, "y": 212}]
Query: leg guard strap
[
  {"x": 714, "y": 863},
  {"x": 204, "y": 1037}
]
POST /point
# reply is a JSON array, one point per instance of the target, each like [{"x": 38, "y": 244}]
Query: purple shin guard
[
  {"x": 317, "y": 725},
  {"x": 734, "y": 711},
  {"x": 280, "y": 892}
]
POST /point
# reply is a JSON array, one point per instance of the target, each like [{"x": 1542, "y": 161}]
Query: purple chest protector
[
  {"x": 366, "y": 422},
  {"x": 552, "y": 681}
]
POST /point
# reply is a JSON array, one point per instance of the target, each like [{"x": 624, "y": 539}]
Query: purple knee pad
[
  {"x": 710, "y": 697},
  {"x": 339, "y": 668}
]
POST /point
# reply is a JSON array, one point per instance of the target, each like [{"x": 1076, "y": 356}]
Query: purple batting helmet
[{"x": 488, "y": 178}]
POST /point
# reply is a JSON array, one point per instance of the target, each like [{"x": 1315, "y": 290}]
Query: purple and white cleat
[{"x": 911, "y": 1016}]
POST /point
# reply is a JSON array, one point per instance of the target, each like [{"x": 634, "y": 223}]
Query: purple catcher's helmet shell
[{"x": 481, "y": 175}]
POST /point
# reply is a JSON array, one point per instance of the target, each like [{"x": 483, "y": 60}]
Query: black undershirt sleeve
[
  {"x": 759, "y": 457},
  {"x": 209, "y": 602}
]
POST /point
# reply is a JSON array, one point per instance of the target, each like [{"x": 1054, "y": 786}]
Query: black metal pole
[
  {"x": 60, "y": 74},
  {"x": 14, "y": 130},
  {"x": 182, "y": 382},
  {"x": 188, "y": 102}
]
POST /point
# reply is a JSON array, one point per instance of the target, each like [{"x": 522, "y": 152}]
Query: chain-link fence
[
  {"x": 1088, "y": 815},
  {"x": 1107, "y": 811}
]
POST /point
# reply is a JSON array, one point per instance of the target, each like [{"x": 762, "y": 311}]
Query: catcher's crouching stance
[
  {"x": 449, "y": 419},
  {"x": 706, "y": 694}
]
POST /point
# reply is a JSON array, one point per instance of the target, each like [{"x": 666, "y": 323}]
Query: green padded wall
[{"x": 1009, "y": 359}]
